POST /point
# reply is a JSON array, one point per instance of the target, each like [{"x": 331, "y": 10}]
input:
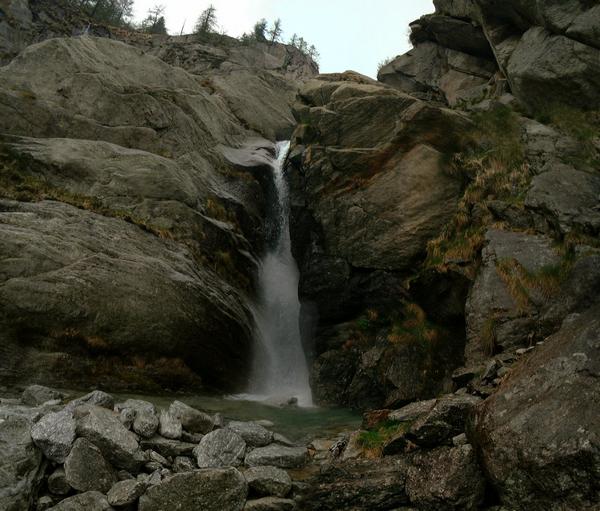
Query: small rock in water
[
  {"x": 36, "y": 395},
  {"x": 265, "y": 423},
  {"x": 170, "y": 426},
  {"x": 54, "y": 434}
]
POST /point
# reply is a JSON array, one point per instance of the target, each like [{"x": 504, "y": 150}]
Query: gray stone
[
  {"x": 87, "y": 470},
  {"x": 191, "y": 438},
  {"x": 459, "y": 440},
  {"x": 278, "y": 456},
  {"x": 412, "y": 411},
  {"x": 446, "y": 419},
  {"x": 278, "y": 438},
  {"x": 36, "y": 395},
  {"x": 158, "y": 458},
  {"x": 170, "y": 426},
  {"x": 126, "y": 492},
  {"x": 54, "y": 434},
  {"x": 94, "y": 398},
  {"x": 192, "y": 420},
  {"x": 167, "y": 447},
  {"x": 220, "y": 448},
  {"x": 88, "y": 501},
  {"x": 446, "y": 478},
  {"x": 43, "y": 503},
  {"x": 266, "y": 481},
  {"x": 103, "y": 428},
  {"x": 21, "y": 466},
  {"x": 183, "y": 464},
  {"x": 253, "y": 434},
  {"x": 209, "y": 490},
  {"x": 127, "y": 416},
  {"x": 270, "y": 504},
  {"x": 57, "y": 482},
  {"x": 538, "y": 433},
  {"x": 146, "y": 420}
]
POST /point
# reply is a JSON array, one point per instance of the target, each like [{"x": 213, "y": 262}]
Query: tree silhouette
[{"x": 207, "y": 22}]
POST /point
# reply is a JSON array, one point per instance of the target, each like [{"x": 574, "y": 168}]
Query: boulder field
[{"x": 445, "y": 221}]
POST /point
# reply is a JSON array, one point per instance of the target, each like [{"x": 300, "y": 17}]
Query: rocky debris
[
  {"x": 270, "y": 504},
  {"x": 21, "y": 465},
  {"x": 361, "y": 485},
  {"x": 145, "y": 418},
  {"x": 54, "y": 434},
  {"x": 88, "y": 501},
  {"x": 267, "y": 481},
  {"x": 57, "y": 482},
  {"x": 183, "y": 464},
  {"x": 445, "y": 478},
  {"x": 167, "y": 447},
  {"x": 87, "y": 470},
  {"x": 103, "y": 428},
  {"x": 126, "y": 492},
  {"x": 36, "y": 395},
  {"x": 170, "y": 426},
  {"x": 278, "y": 456},
  {"x": 537, "y": 439},
  {"x": 446, "y": 419},
  {"x": 220, "y": 448},
  {"x": 192, "y": 420},
  {"x": 253, "y": 434},
  {"x": 209, "y": 490}
]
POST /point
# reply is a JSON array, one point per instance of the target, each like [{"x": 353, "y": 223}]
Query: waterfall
[{"x": 280, "y": 367}]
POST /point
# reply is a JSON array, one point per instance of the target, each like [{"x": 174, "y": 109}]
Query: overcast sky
[{"x": 349, "y": 34}]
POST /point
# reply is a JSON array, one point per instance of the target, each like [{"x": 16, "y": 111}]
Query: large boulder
[
  {"x": 209, "y": 490},
  {"x": 192, "y": 420},
  {"x": 278, "y": 456},
  {"x": 88, "y": 501},
  {"x": 265, "y": 481},
  {"x": 54, "y": 434},
  {"x": 21, "y": 465},
  {"x": 538, "y": 434},
  {"x": 103, "y": 428},
  {"x": 253, "y": 434},
  {"x": 87, "y": 470},
  {"x": 36, "y": 395}
]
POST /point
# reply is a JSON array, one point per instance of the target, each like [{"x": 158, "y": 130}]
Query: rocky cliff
[{"x": 133, "y": 201}]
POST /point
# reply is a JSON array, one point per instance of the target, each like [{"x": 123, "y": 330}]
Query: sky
[{"x": 349, "y": 34}]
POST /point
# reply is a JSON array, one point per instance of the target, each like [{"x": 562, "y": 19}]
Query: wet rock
[
  {"x": 538, "y": 434},
  {"x": 21, "y": 466},
  {"x": 209, "y": 490},
  {"x": 36, "y": 395},
  {"x": 57, "y": 482},
  {"x": 183, "y": 464},
  {"x": 170, "y": 426},
  {"x": 167, "y": 447},
  {"x": 126, "y": 492},
  {"x": 87, "y": 470},
  {"x": 277, "y": 456},
  {"x": 54, "y": 434},
  {"x": 103, "y": 428},
  {"x": 146, "y": 421},
  {"x": 445, "y": 478},
  {"x": 192, "y": 420},
  {"x": 253, "y": 434},
  {"x": 266, "y": 481},
  {"x": 445, "y": 420},
  {"x": 220, "y": 448},
  {"x": 88, "y": 501},
  {"x": 270, "y": 504}
]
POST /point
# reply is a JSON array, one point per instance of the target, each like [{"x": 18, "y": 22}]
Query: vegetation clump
[{"x": 374, "y": 440}]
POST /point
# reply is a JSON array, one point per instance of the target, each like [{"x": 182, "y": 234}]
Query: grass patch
[
  {"x": 488, "y": 335},
  {"x": 492, "y": 168},
  {"x": 374, "y": 440},
  {"x": 414, "y": 327}
]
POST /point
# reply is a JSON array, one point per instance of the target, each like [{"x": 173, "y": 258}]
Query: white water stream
[{"x": 280, "y": 368}]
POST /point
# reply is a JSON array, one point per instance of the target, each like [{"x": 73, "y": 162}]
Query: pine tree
[
  {"x": 207, "y": 22},
  {"x": 313, "y": 53},
  {"x": 260, "y": 29},
  {"x": 275, "y": 32},
  {"x": 294, "y": 40},
  {"x": 155, "y": 21}
]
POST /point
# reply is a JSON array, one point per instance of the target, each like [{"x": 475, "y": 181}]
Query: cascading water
[{"x": 280, "y": 368}]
